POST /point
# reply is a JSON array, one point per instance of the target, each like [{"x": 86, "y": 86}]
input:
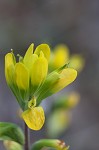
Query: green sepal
[
  {"x": 63, "y": 67},
  {"x": 19, "y": 96},
  {"x": 10, "y": 131},
  {"x": 45, "y": 90}
]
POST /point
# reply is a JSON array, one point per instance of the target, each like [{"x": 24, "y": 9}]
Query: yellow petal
[
  {"x": 44, "y": 48},
  {"x": 61, "y": 56},
  {"x": 39, "y": 70},
  {"x": 9, "y": 67},
  {"x": 28, "y": 54},
  {"x": 30, "y": 62},
  {"x": 34, "y": 118},
  {"x": 21, "y": 76},
  {"x": 67, "y": 76}
]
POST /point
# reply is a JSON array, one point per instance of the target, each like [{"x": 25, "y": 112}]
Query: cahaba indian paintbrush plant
[{"x": 30, "y": 82}]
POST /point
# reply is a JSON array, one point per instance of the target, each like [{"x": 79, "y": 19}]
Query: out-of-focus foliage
[
  {"x": 11, "y": 145},
  {"x": 77, "y": 61},
  {"x": 10, "y": 131},
  {"x": 60, "y": 117},
  {"x": 57, "y": 122}
]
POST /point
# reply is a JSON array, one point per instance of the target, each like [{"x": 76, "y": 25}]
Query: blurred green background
[{"x": 72, "y": 22}]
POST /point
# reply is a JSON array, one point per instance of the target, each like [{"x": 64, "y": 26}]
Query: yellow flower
[
  {"x": 25, "y": 76},
  {"x": 28, "y": 79},
  {"x": 77, "y": 62},
  {"x": 37, "y": 65},
  {"x": 59, "y": 56}
]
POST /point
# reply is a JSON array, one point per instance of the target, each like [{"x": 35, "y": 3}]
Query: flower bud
[{"x": 9, "y": 67}]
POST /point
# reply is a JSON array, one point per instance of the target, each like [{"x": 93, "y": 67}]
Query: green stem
[{"x": 26, "y": 130}]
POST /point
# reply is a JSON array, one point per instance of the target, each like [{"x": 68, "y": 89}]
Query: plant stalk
[{"x": 26, "y": 130}]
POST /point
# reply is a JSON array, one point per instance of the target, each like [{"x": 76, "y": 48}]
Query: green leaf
[{"x": 10, "y": 131}]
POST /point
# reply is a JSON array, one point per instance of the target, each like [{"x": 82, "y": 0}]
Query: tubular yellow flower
[
  {"x": 21, "y": 76},
  {"x": 34, "y": 118},
  {"x": 39, "y": 70},
  {"x": 9, "y": 67}
]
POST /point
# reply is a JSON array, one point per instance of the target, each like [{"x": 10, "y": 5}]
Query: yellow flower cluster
[
  {"x": 61, "y": 55},
  {"x": 30, "y": 83}
]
